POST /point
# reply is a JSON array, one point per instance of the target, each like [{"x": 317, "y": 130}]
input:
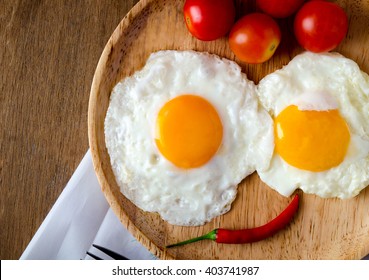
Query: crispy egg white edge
[
  {"x": 343, "y": 79},
  {"x": 154, "y": 85}
]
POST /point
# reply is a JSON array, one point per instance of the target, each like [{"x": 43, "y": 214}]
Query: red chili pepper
[{"x": 250, "y": 235}]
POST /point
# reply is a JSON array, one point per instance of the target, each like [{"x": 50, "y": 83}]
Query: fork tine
[
  {"x": 93, "y": 256},
  {"x": 110, "y": 253}
]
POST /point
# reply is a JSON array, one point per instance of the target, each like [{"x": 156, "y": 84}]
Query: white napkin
[{"x": 81, "y": 217}]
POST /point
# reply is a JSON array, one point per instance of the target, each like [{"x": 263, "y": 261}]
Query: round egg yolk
[
  {"x": 311, "y": 140},
  {"x": 188, "y": 131}
]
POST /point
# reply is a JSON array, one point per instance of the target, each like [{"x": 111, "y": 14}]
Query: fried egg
[
  {"x": 183, "y": 132},
  {"x": 320, "y": 107}
]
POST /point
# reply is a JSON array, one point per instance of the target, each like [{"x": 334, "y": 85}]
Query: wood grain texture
[
  {"x": 323, "y": 228},
  {"x": 48, "y": 54}
]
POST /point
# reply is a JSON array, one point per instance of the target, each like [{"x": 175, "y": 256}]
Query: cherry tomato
[
  {"x": 276, "y": 9},
  {"x": 254, "y": 38},
  {"x": 320, "y": 26},
  {"x": 209, "y": 19}
]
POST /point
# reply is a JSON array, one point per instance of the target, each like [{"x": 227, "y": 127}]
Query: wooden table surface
[{"x": 48, "y": 54}]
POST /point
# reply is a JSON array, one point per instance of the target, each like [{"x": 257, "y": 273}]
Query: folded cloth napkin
[{"x": 81, "y": 217}]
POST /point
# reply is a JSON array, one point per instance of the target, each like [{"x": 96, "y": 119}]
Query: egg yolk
[
  {"x": 311, "y": 140},
  {"x": 188, "y": 131}
]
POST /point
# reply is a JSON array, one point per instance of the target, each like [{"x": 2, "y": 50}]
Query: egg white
[
  {"x": 321, "y": 82},
  {"x": 185, "y": 196}
]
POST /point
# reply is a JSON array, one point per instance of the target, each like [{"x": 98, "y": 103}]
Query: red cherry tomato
[
  {"x": 277, "y": 9},
  {"x": 254, "y": 38},
  {"x": 209, "y": 19},
  {"x": 320, "y": 26}
]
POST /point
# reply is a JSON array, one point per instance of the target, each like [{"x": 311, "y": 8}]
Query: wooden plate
[{"x": 323, "y": 228}]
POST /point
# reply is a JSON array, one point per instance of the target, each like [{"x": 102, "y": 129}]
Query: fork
[{"x": 108, "y": 252}]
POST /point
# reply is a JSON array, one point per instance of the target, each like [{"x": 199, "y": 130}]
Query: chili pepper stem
[{"x": 212, "y": 235}]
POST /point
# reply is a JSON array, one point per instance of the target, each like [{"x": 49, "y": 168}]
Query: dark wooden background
[{"x": 48, "y": 54}]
